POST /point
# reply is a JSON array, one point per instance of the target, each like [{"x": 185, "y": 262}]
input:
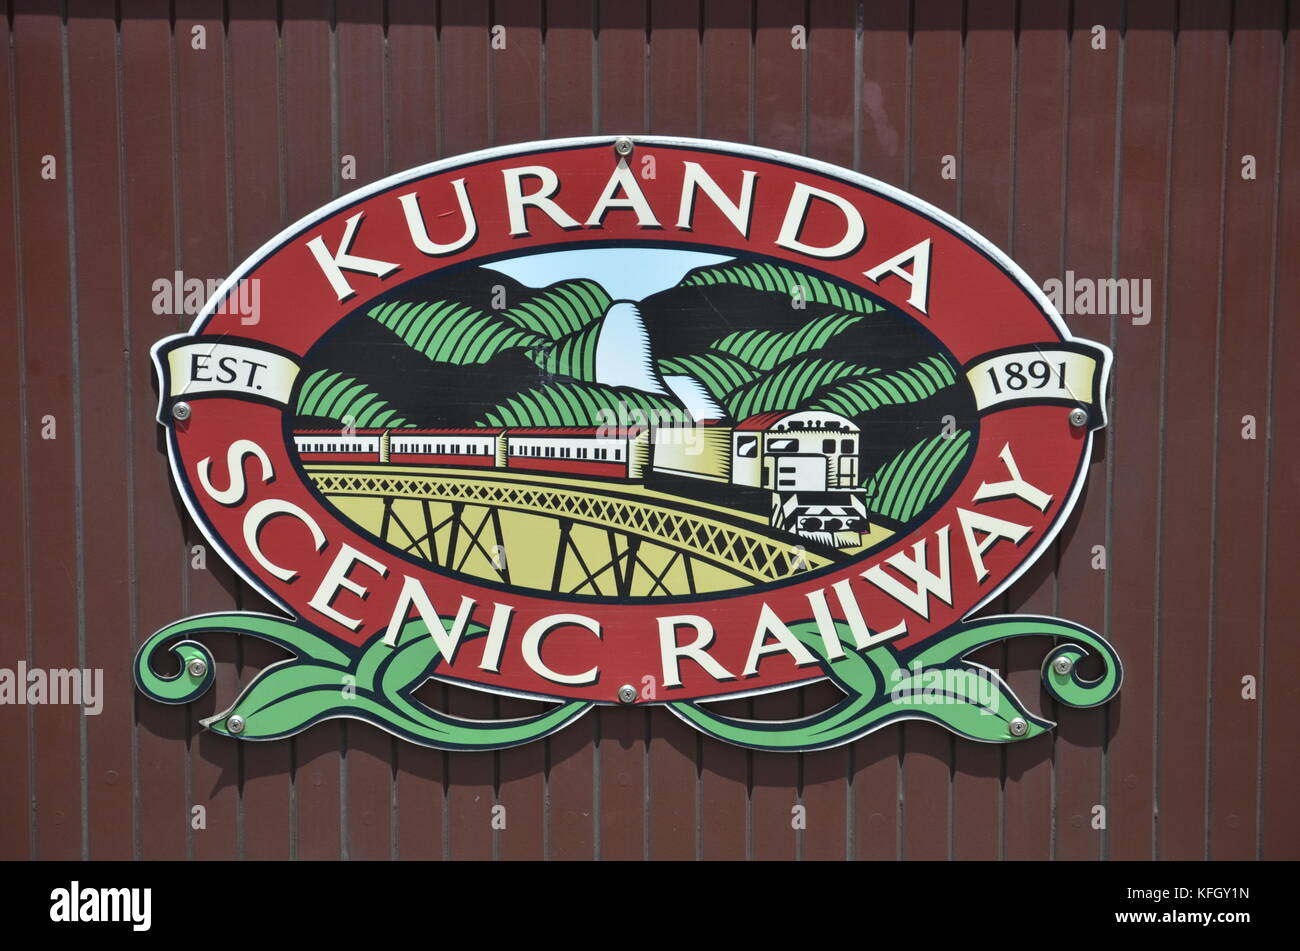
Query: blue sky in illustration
[{"x": 625, "y": 273}]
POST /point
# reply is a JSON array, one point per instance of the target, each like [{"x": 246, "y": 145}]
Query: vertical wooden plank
[
  {"x": 622, "y": 789},
  {"x": 1240, "y": 476},
  {"x": 570, "y": 48},
  {"x": 881, "y": 144},
  {"x": 516, "y": 73},
  {"x": 936, "y": 40},
  {"x": 675, "y": 67},
  {"x": 16, "y": 840},
  {"x": 1134, "y": 434},
  {"x": 48, "y": 339},
  {"x": 463, "y": 76},
  {"x": 1036, "y": 247},
  {"x": 1279, "y": 825},
  {"x": 1090, "y": 201},
  {"x": 1187, "y": 487},
  {"x": 413, "y": 83},
  {"x": 467, "y": 125},
  {"x": 156, "y": 551},
  {"x": 621, "y": 67},
  {"x": 621, "y": 731},
  {"x": 831, "y": 77},
  {"x": 414, "y": 117},
  {"x": 359, "y": 36},
  {"x": 569, "y": 98},
  {"x": 727, "y": 71},
  {"x": 673, "y": 781},
  {"x": 520, "y": 772},
  {"x": 97, "y": 211},
  {"x": 254, "y": 90},
  {"x": 199, "y": 49},
  {"x": 311, "y": 180},
  {"x": 885, "y": 110},
  {"x": 726, "y": 94},
  {"x": 778, "y": 123},
  {"x": 984, "y": 184}
]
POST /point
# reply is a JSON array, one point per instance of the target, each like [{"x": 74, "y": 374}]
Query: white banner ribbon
[
  {"x": 230, "y": 369},
  {"x": 1034, "y": 375}
]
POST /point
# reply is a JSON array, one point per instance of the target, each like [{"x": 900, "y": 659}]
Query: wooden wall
[{"x": 1123, "y": 161}]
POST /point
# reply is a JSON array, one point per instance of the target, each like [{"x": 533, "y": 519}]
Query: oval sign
[{"x": 629, "y": 421}]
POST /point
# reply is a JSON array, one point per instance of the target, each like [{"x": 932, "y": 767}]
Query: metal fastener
[
  {"x": 198, "y": 667},
  {"x": 1078, "y": 417},
  {"x": 1018, "y": 726},
  {"x": 235, "y": 724},
  {"x": 1063, "y": 665},
  {"x": 181, "y": 411},
  {"x": 623, "y": 145},
  {"x": 626, "y": 693}
]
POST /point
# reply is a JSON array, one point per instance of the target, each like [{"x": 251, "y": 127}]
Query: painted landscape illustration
[{"x": 623, "y": 423}]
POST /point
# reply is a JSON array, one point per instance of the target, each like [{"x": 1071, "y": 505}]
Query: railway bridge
[{"x": 563, "y": 535}]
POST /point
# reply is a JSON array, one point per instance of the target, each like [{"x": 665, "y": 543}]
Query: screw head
[
  {"x": 235, "y": 724},
  {"x": 1078, "y": 417},
  {"x": 1018, "y": 726},
  {"x": 626, "y": 693},
  {"x": 1063, "y": 665},
  {"x": 181, "y": 411},
  {"x": 623, "y": 145},
  {"x": 198, "y": 667}
]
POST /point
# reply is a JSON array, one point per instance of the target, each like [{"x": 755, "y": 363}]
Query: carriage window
[
  {"x": 747, "y": 447},
  {"x": 782, "y": 445},
  {"x": 846, "y": 445},
  {"x": 828, "y": 445}
]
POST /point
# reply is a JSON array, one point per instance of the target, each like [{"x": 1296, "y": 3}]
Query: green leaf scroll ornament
[
  {"x": 929, "y": 681},
  {"x": 323, "y": 682}
]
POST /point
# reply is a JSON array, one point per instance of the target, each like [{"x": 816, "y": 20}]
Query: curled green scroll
[
  {"x": 323, "y": 681},
  {"x": 930, "y": 681}
]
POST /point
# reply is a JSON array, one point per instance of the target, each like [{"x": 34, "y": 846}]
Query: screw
[
  {"x": 623, "y": 146},
  {"x": 235, "y": 724},
  {"x": 1063, "y": 665},
  {"x": 1078, "y": 417},
  {"x": 1018, "y": 726},
  {"x": 181, "y": 411},
  {"x": 626, "y": 693},
  {"x": 198, "y": 667}
]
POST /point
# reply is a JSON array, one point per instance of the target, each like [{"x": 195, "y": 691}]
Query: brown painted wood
[
  {"x": 203, "y": 242},
  {"x": 1241, "y": 463},
  {"x": 155, "y": 545},
  {"x": 1037, "y": 248},
  {"x": 1279, "y": 826},
  {"x": 16, "y": 839},
  {"x": 984, "y": 196},
  {"x": 361, "y": 117},
  {"x": 1089, "y": 220},
  {"x": 255, "y": 197},
  {"x": 935, "y": 130},
  {"x": 98, "y": 281},
  {"x": 1186, "y": 573},
  {"x": 52, "y": 458},
  {"x": 1133, "y": 549},
  {"x": 311, "y": 173},
  {"x": 1122, "y": 162}
]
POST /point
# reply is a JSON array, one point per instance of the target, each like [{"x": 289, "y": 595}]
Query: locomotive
[{"x": 807, "y": 460}]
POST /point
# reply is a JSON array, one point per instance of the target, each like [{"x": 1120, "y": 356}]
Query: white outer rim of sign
[{"x": 815, "y": 166}]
